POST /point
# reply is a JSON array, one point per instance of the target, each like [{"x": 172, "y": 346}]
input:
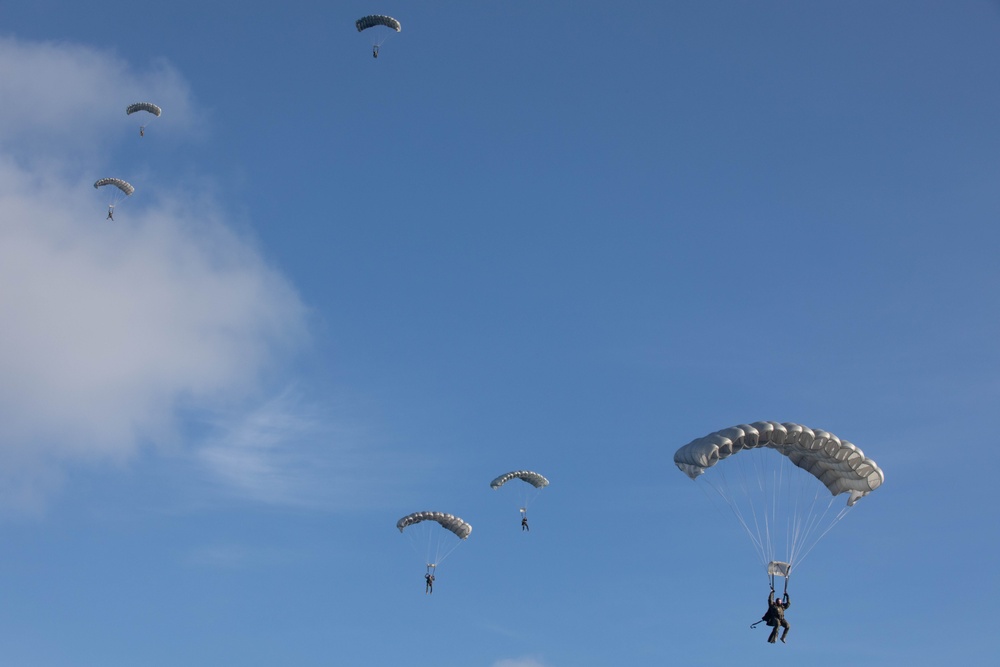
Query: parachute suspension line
[
  {"x": 759, "y": 478},
  {"x": 833, "y": 522},
  {"x": 423, "y": 545},
  {"x": 433, "y": 549},
  {"x": 528, "y": 496},
  {"x": 808, "y": 519},
  {"x": 789, "y": 507},
  {"x": 730, "y": 501},
  {"x": 786, "y": 577},
  {"x": 755, "y": 471},
  {"x": 798, "y": 518},
  {"x": 444, "y": 553},
  {"x": 803, "y": 526}
]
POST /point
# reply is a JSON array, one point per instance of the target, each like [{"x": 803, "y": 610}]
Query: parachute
[
  {"x": 772, "y": 477},
  {"x": 116, "y": 189},
  {"x": 432, "y": 544},
  {"x": 126, "y": 188},
  {"x": 532, "y": 478},
  {"x": 366, "y": 22},
  {"x": 143, "y": 106},
  {"x": 533, "y": 483},
  {"x": 447, "y": 521}
]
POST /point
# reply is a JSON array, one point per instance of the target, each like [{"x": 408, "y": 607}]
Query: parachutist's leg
[
  {"x": 773, "y": 636},
  {"x": 784, "y": 634}
]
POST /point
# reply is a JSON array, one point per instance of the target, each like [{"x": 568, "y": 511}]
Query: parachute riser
[
  {"x": 779, "y": 569},
  {"x": 785, "y": 591}
]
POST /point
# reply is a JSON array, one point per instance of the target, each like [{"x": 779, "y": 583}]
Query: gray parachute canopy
[
  {"x": 447, "y": 521},
  {"x": 143, "y": 106},
  {"x": 366, "y": 22},
  {"x": 118, "y": 183},
  {"x": 532, "y": 478},
  {"x": 839, "y": 465}
]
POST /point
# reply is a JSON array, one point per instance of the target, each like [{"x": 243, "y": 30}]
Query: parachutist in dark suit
[{"x": 775, "y": 616}]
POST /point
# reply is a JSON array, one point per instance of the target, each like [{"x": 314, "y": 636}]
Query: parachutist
[
  {"x": 774, "y": 617},
  {"x": 148, "y": 107},
  {"x": 375, "y": 52},
  {"x": 524, "y": 523},
  {"x": 111, "y": 213},
  {"x": 429, "y": 588}
]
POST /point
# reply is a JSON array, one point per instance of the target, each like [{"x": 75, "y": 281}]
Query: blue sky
[{"x": 569, "y": 237}]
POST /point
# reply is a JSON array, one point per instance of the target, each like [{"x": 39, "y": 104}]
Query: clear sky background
[{"x": 563, "y": 236}]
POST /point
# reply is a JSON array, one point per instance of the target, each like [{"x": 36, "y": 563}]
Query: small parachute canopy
[
  {"x": 839, "y": 465},
  {"x": 366, "y": 22},
  {"x": 532, "y": 478},
  {"x": 143, "y": 106},
  {"x": 118, "y": 183},
  {"x": 447, "y": 521}
]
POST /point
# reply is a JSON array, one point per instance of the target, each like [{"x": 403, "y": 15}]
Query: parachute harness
[{"x": 784, "y": 594}]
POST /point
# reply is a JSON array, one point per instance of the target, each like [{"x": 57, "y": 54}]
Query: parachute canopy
[
  {"x": 532, "y": 478},
  {"x": 447, "y": 521},
  {"x": 838, "y": 464},
  {"x": 118, "y": 183},
  {"x": 366, "y": 22},
  {"x": 143, "y": 106}
]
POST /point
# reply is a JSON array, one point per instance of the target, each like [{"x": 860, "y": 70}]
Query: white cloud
[
  {"x": 72, "y": 98},
  {"x": 108, "y": 330},
  {"x": 287, "y": 452}
]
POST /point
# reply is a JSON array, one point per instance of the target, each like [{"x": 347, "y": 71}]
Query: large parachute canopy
[
  {"x": 838, "y": 464},
  {"x": 780, "y": 481},
  {"x": 447, "y": 521},
  {"x": 126, "y": 188},
  {"x": 143, "y": 106},
  {"x": 532, "y": 478},
  {"x": 366, "y": 22}
]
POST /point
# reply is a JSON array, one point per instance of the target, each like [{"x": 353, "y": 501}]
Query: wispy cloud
[
  {"x": 287, "y": 451},
  {"x": 109, "y": 332},
  {"x": 237, "y": 556}
]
